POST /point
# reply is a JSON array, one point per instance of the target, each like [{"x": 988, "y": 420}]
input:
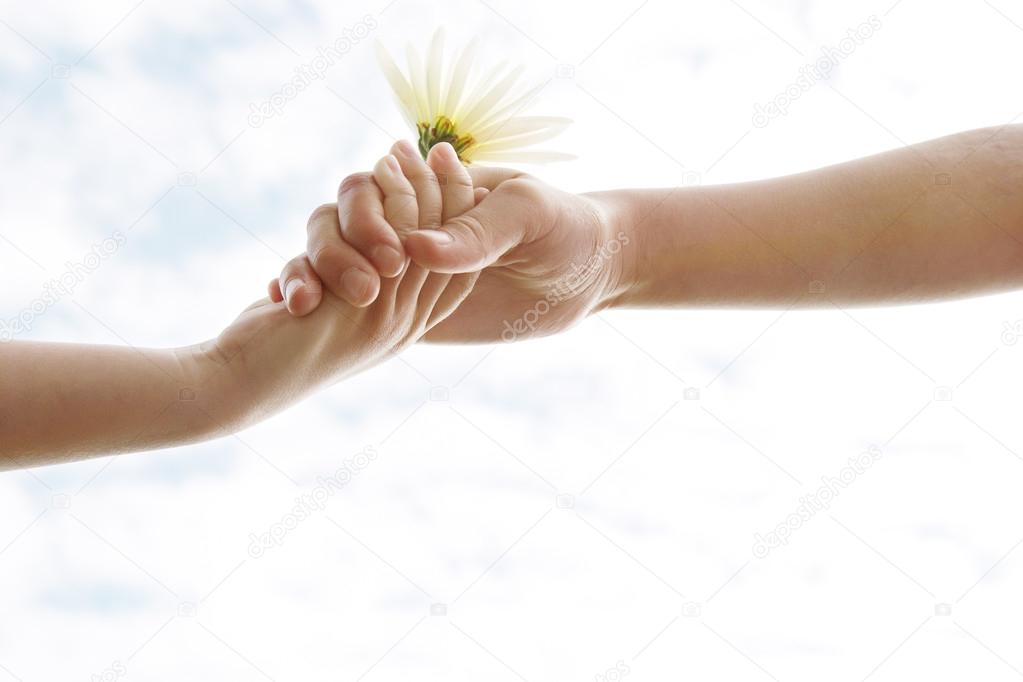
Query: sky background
[{"x": 568, "y": 508}]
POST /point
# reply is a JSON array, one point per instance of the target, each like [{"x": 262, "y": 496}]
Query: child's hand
[
  {"x": 542, "y": 250},
  {"x": 268, "y": 359}
]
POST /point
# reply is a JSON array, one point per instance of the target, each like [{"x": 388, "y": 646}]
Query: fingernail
[
  {"x": 291, "y": 287},
  {"x": 445, "y": 151},
  {"x": 355, "y": 283},
  {"x": 438, "y": 237},
  {"x": 406, "y": 148},
  {"x": 388, "y": 260},
  {"x": 392, "y": 164}
]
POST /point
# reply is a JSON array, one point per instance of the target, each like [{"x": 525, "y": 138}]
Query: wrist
[
  {"x": 267, "y": 360},
  {"x": 211, "y": 400},
  {"x": 619, "y": 246}
]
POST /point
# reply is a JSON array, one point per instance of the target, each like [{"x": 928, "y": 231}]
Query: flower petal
[
  {"x": 417, "y": 79},
  {"x": 456, "y": 87},
  {"x": 513, "y": 107},
  {"x": 520, "y": 126},
  {"x": 524, "y": 157},
  {"x": 435, "y": 74},
  {"x": 488, "y": 102},
  {"x": 476, "y": 94},
  {"x": 399, "y": 84}
]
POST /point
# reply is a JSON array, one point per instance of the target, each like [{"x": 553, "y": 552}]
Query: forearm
[
  {"x": 60, "y": 402},
  {"x": 888, "y": 228}
]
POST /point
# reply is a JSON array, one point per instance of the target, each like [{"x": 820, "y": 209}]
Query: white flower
[{"x": 478, "y": 116}]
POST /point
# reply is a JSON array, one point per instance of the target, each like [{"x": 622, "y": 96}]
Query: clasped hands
[{"x": 417, "y": 249}]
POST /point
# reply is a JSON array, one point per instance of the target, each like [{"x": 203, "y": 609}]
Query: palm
[{"x": 536, "y": 289}]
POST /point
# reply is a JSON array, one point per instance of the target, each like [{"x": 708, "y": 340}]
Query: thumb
[{"x": 478, "y": 237}]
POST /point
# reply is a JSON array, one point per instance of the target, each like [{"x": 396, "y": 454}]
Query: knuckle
[
  {"x": 533, "y": 207},
  {"x": 425, "y": 179},
  {"x": 360, "y": 226},
  {"x": 473, "y": 232},
  {"x": 405, "y": 191},
  {"x": 456, "y": 180},
  {"x": 327, "y": 258},
  {"x": 293, "y": 267},
  {"x": 322, "y": 213},
  {"x": 524, "y": 188},
  {"x": 354, "y": 182}
]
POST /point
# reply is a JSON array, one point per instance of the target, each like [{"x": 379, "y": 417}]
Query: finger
[
  {"x": 299, "y": 286},
  {"x": 274, "y": 290},
  {"x": 457, "y": 195},
  {"x": 399, "y": 197},
  {"x": 423, "y": 181},
  {"x": 410, "y": 287},
  {"x": 478, "y": 194},
  {"x": 433, "y": 288},
  {"x": 387, "y": 300},
  {"x": 363, "y": 225},
  {"x": 492, "y": 176},
  {"x": 457, "y": 290},
  {"x": 339, "y": 267},
  {"x": 479, "y": 237}
]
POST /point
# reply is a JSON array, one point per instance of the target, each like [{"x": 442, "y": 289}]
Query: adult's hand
[{"x": 550, "y": 258}]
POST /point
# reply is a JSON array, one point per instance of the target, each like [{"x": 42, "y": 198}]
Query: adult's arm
[{"x": 933, "y": 220}]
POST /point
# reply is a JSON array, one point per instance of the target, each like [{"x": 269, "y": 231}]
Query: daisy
[{"x": 478, "y": 116}]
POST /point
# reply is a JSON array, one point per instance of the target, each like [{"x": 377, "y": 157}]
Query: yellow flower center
[{"x": 443, "y": 130}]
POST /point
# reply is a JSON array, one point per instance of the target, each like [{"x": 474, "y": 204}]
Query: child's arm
[{"x": 60, "y": 402}]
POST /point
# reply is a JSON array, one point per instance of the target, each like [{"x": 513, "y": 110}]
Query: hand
[
  {"x": 268, "y": 359},
  {"x": 551, "y": 257}
]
